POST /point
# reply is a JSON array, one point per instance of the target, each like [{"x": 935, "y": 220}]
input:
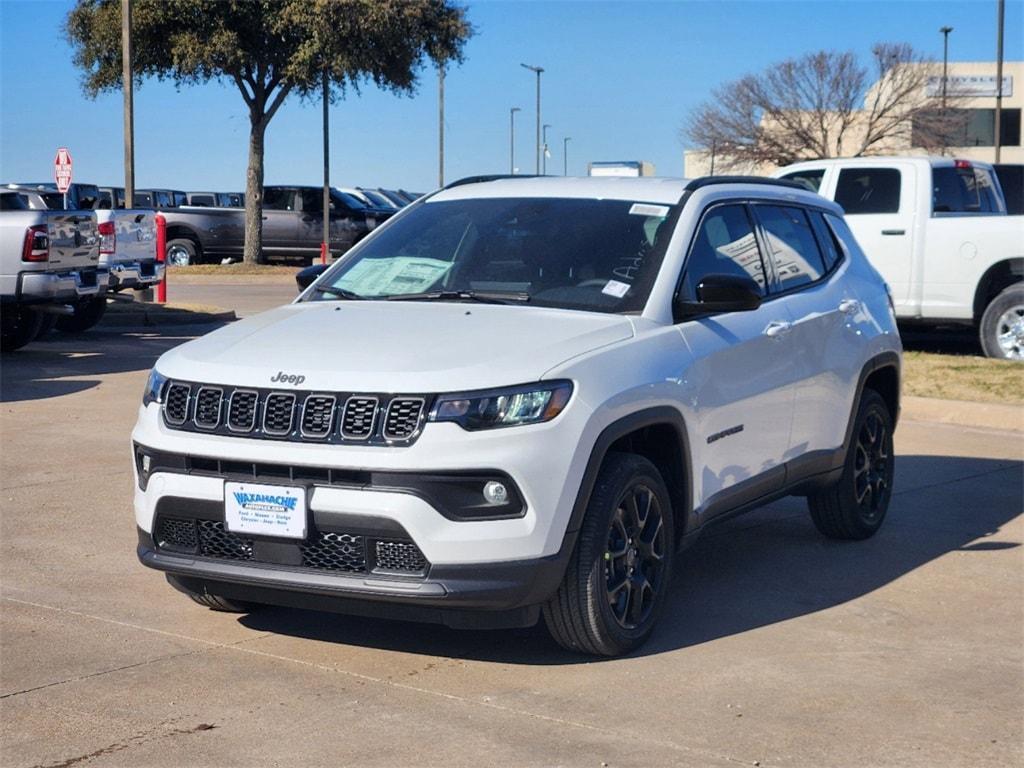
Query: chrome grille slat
[
  {"x": 403, "y": 418},
  {"x": 279, "y": 414},
  {"x": 242, "y": 410},
  {"x": 359, "y": 418},
  {"x": 176, "y": 404},
  {"x": 208, "y": 407},
  {"x": 318, "y": 415}
]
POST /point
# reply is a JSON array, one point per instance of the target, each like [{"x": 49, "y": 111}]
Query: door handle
[
  {"x": 307, "y": 218},
  {"x": 777, "y": 329},
  {"x": 849, "y": 306},
  {"x": 894, "y": 231},
  {"x": 265, "y": 218}
]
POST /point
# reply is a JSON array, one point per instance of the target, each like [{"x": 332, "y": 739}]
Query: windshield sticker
[
  {"x": 402, "y": 274},
  {"x": 615, "y": 288},
  {"x": 646, "y": 209}
]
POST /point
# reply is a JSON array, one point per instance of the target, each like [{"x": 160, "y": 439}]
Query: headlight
[
  {"x": 527, "y": 404},
  {"x": 154, "y": 388}
]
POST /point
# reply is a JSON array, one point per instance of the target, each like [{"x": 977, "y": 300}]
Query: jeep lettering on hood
[{"x": 286, "y": 378}]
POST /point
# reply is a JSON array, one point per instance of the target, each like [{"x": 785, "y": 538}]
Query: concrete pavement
[{"x": 778, "y": 648}]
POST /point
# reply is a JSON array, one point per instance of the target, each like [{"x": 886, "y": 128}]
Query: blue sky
[{"x": 621, "y": 78}]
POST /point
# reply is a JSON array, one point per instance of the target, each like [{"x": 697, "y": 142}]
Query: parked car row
[{"x": 59, "y": 267}]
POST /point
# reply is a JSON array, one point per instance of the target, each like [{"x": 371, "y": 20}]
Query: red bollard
[
  {"x": 323, "y": 253},
  {"x": 161, "y": 257}
]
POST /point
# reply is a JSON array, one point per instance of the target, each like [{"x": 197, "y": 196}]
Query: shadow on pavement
[
  {"x": 944, "y": 340},
  {"x": 63, "y": 364},
  {"x": 753, "y": 571}
]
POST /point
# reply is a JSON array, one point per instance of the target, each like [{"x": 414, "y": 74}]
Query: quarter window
[
  {"x": 868, "y": 190},
  {"x": 794, "y": 251},
  {"x": 826, "y": 240},
  {"x": 725, "y": 245}
]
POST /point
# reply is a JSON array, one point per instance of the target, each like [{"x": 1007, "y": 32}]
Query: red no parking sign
[{"x": 62, "y": 169}]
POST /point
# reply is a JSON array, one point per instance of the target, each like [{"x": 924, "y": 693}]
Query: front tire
[
  {"x": 1002, "y": 326},
  {"x": 615, "y": 585},
  {"x": 855, "y": 506},
  {"x": 87, "y": 314},
  {"x": 18, "y": 327}
]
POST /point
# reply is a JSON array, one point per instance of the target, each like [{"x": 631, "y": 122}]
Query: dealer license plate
[{"x": 265, "y": 510}]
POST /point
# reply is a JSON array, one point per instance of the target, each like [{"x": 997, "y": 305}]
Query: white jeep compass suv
[{"x": 521, "y": 397}]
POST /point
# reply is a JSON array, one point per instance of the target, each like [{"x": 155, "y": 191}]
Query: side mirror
[
  {"x": 305, "y": 277},
  {"x": 720, "y": 293}
]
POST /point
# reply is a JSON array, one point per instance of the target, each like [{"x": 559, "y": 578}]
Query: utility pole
[
  {"x": 565, "y": 155},
  {"x": 544, "y": 149},
  {"x": 440, "y": 126},
  {"x": 512, "y": 140},
  {"x": 945, "y": 61},
  {"x": 1001, "y": 13},
  {"x": 325, "y": 245},
  {"x": 537, "y": 71},
  {"x": 129, "y": 107}
]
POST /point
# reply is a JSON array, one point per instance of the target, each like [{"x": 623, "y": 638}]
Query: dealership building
[{"x": 971, "y": 89}]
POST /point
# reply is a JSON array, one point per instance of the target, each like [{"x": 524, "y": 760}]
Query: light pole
[
  {"x": 129, "y": 105},
  {"x": 440, "y": 126},
  {"x": 565, "y": 155},
  {"x": 945, "y": 60},
  {"x": 537, "y": 71},
  {"x": 1000, "y": 16},
  {"x": 512, "y": 140},
  {"x": 544, "y": 156}
]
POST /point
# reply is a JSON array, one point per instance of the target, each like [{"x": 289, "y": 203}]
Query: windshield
[
  {"x": 597, "y": 255},
  {"x": 379, "y": 200}
]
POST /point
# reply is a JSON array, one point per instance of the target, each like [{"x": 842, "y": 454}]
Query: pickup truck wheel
[
  {"x": 18, "y": 326},
  {"x": 214, "y": 602},
  {"x": 855, "y": 506},
  {"x": 615, "y": 584},
  {"x": 182, "y": 252},
  {"x": 87, "y": 314},
  {"x": 1002, "y": 326}
]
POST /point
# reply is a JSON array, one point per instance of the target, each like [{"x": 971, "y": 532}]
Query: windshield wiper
[
  {"x": 486, "y": 297},
  {"x": 341, "y": 293}
]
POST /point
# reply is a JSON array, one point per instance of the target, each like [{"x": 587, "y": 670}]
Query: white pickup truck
[
  {"x": 937, "y": 230},
  {"x": 127, "y": 250}
]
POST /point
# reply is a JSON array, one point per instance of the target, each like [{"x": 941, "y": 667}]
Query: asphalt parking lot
[{"x": 778, "y": 647}]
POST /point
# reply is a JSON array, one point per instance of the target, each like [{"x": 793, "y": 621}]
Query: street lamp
[
  {"x": 544, "y": 156},
  {"x": 512, "y": 140},
  {"x": 945, "y": 60},
  {"x": 537, "y": 71},
  {"x": 565, "y": 155}
]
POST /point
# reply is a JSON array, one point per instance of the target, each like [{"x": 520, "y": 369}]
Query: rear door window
[
  {"x": 868, "y": 190},
  {"x": 791, "y": 245}
]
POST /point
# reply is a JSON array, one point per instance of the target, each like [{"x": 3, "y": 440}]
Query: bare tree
[{"x": 824, "y": 104}]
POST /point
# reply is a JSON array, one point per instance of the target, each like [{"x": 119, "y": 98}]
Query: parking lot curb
[
  {"x": 164, "y": 316},
  {"x": 963, "y": 413}
]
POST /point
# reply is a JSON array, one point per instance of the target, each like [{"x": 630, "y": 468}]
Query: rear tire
[
  {"x": 854, "y": 506},
  {"x": 615, "y": 585},
  {"x": 1001, "y": 331},
  {"x": 212, "y": 601},
  {"x": 18, "y": 327},
  {"x": 182, "y": 252},
  {"x": 87, "y": 314}
]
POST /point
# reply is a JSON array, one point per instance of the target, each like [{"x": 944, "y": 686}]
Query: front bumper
[
  {"x": 62, "y": 287},
  {"x": 136, "y": 274}
]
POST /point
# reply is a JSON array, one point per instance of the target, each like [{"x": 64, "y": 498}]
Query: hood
[{"x": 380, "y": 346}]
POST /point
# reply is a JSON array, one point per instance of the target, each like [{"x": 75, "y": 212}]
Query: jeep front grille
[
  {"x": 326, "y": 417},
  {"x": 359, "y": 418},
  {"x": 403, "y": 419},
  {"x": 317, "y": 415},
  {"x": 322, "y": 551},
  {"x": 242, "y": 410},
  {"x": 208, "y": 400},
  {"x": 278, "y": 413},
  {"x": 176, "y": 407}
]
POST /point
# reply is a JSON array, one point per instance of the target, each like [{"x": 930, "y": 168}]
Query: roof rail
[
  {"x": 707, "y": 181},
  {"x": 489, "y": 177}
]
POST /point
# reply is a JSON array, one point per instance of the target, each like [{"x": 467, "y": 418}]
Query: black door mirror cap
[
  {"x": 305, "y": 277},
  {"x": 720, "y": 293}
]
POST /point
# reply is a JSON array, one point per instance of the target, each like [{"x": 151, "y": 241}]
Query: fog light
[
  {"x": 495, "y": 492},
  {"x": 145, "y": 463}
]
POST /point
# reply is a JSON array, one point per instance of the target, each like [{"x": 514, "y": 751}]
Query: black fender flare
[{"x": 888, "y": 359}]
